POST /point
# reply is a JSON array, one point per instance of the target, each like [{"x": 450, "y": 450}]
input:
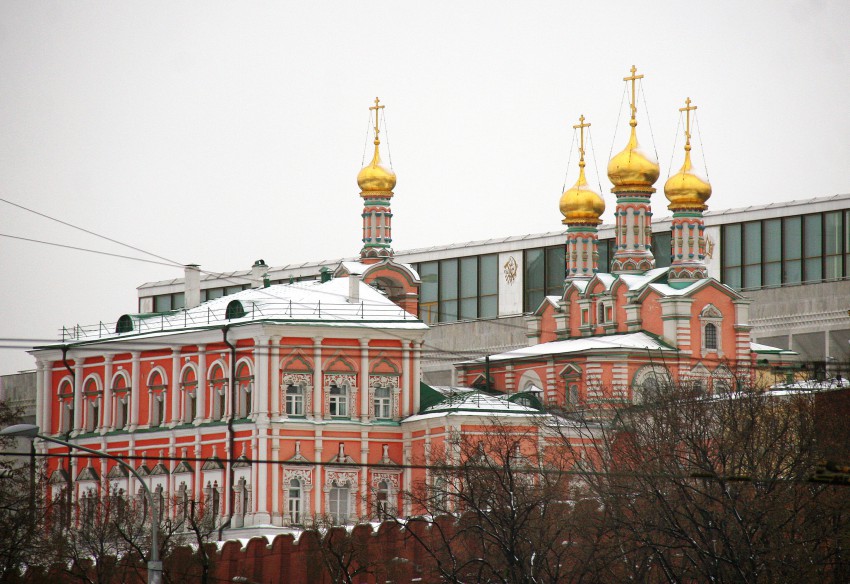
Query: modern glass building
[{"x": 792, "y": 259}]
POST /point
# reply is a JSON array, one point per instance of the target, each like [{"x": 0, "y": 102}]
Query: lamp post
[{"x": 154, "y": 565}]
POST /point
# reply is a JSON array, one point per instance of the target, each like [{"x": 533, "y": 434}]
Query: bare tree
[
  {"x": 497, "y": 508},
  {"x": 714, "y": 488}
]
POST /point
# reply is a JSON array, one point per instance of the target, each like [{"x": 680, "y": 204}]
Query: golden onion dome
[
  {"x": 375, "y": 177},
  {"x": 580, "y": 204},
  {"x": 686, "y": 189},
  {"x": 633, "y": 167}
]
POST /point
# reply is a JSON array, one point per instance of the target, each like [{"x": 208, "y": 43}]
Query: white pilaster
[
  {"x": 135, "y": 389},
  {"x": 318, "y": 380},
  {"x": 201, "y": 389},
  {"x": 364, "y": 380},
  {"x": 78, "y": 394},
  {"x": 174, "y": 387},
  {"x": 107, "y": 405}
]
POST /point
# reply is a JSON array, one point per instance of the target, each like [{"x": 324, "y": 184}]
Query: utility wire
[
  {"x": 62, "y": 245},
  {"x": 84, "y": 230}
]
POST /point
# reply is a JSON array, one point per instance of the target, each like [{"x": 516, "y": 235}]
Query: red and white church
[{"x": 281, "y": 403}]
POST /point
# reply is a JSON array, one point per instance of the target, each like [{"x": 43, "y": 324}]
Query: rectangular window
[
  {"x": 162, "y": 303},
  {"x": 488, "y": 286},
  {"x": 448, "y": 290},
  {"x": 833, "y": 245},
  {"x": 535, "y": 278},
  {"x": 661, "y": 248},
  {"x": 212, "y": 293},
  {"x": 604, "y": 247},
  {"x": 556, "y": 270},
  {"x": 772, "y": 238},
  {"x": 792, "y": 250},
  {"x": 429, "y": 291},
  {"x": 752, "y": 255},
  {"x": 813, "y": 248},
  {"x": 469, "y": 287},
  {"x": 731, "y": 246}
]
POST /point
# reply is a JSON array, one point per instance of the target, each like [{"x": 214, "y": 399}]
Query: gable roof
[{"x": 639, "y": 341}]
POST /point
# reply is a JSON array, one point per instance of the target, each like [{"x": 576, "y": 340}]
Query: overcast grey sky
[{"x": 220, "y": 132}]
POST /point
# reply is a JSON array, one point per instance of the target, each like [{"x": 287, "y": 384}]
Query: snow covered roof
[
  {"x": 630, "y": 341},
  {"x": 813, "y": 385},
  {"x": 469, "y": 401},
  {"x": 638, "y": 281},
  {"x": 768, "y": 350},
  {"x": 310, "y": 303}
]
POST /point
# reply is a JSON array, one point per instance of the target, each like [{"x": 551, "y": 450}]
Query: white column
[
  {"x": 135, "y": 390},
  {"x": 78, "y": 394},
  {"x": 174, "y": 386},
  {"x": 275, "y": 468},
  {"x": 46, "y": 390},
  {"x": 274, "y": 372},
  {"x": 260, "y": 395},
  {"x": 407, "y": 474},
  {"x": 106, "y": 406},
  {"x": 318, "y": 379},
  {"x": 405, "y": 381},
  {"x": 417, "y": 374},
  {"x": 364, "y": 461},
  {"x": 318, "y": 479},
  {"x": 201, "y": 389},
  {"x": 364, "y": 380},
  {"x": 40, "y": 396},
  {"x": 261, "y": 486}
]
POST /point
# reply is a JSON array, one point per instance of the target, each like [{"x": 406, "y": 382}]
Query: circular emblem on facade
[{"x": 510, "y": 270}]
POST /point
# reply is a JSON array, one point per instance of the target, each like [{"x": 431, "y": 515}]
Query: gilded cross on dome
[
  {"x": 633, "y": 78},
  {"x": 377, "y": 108},
  {"x": 581, "y": 126},
  {"x": 688, "y": 109}
]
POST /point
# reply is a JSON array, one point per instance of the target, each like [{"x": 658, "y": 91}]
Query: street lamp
[{"x": 154, "y": 565}]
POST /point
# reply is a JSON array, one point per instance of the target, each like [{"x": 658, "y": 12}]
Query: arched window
[
  {"x": 294, "y": 400},
  {"x": 157, "y": 387},
  {"x": 293, "y": 502},
  {"x": 338, "y": 404},
  {"x": 383, "y": 403},
  {"x": 189, "y": 385},
  {"x": 66, "y": 414},
  {"x": 339, "y": 499},
  {"x": 218, "y": 392},
  {"x": 245, "y": 386},
  {"x": 710, "y": 332},
  {"x": 711, "y": 321},
  {"x": 382, "y": 500},
  {"x": 91, "y": 391},
  {"x": 121, "y": 391}
]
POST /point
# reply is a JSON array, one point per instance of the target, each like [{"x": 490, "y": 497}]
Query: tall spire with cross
[
  {"x": 633, "y": 172},
  {"x": 376, "y": 184},
  {"x": 687, "y": 193},
  {"x": 582, "y": 208}
]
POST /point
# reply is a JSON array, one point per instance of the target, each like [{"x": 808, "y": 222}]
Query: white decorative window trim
[
  {"x": 305, "y": 475},
  {"x": 305, "y": 380},
  {"x": 392, "y": 383},
  {"x": 393, "y": 478},
  {"x": 710, "y": 314},
  {"x": 341, "y": 380}
]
